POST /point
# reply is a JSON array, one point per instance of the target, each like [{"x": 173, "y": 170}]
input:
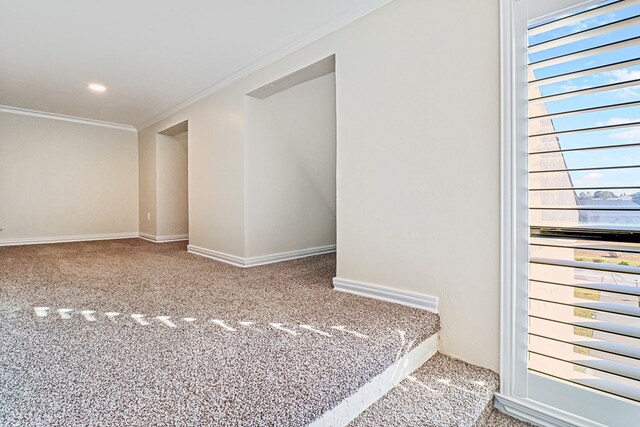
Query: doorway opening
[
  {"x": 290, "y": 165},
  {"x": 172, "y": 183}
]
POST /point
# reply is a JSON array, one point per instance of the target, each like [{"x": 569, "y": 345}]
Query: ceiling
[{"x": 152, "y": 55}]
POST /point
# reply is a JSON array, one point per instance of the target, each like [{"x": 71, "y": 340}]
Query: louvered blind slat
[
  {"x": 574, "y": 18},
  {"x": 583, "y": 72},
  {"x": 597, "y": 147},
  {"x": 604, "y": 287},
  {"x": 585, "y": 53},
  {"x": 585, "y": 245},
  {"x": 585, "y": 34},
  {"x": 585, "y": 110}
]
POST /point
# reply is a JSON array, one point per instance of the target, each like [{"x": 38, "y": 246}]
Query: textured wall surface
[{"x": 61, "y": 179}]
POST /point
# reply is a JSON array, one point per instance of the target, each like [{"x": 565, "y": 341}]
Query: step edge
[{"x": 351, "y": 407}]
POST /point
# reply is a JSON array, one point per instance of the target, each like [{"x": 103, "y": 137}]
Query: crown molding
[
  {"x": 64, "y": 118},
  {"x": 271, "y": 58}
]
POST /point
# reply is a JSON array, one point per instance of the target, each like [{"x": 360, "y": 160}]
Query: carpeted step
[
  {"x": 409, "y": 358},
  {"x": 443, "y": 392}
]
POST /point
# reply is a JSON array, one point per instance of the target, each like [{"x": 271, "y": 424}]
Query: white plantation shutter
[{"x": 584, "y": 213}]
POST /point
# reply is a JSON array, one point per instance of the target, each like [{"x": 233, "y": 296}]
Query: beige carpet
[
  {"x": 129, "y": 332},
  {"x": 444, "y": 392}
]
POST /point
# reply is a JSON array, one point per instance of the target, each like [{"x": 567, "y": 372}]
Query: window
[{"x": 576, "y": 314}]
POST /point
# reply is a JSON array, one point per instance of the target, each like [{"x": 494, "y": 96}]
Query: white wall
[
  {"x": 291, "y": 169},
  {"x": 417, "y": 93},
  {"x": 172, "y": 198},
  {"x": 147, "y": 182},
  {"x": 418, "y": 161},
  {"x": 215, "y": 176},
  {"x": 61, "y": 179}
]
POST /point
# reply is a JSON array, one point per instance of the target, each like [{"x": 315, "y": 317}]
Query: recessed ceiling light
[{"x": 97, "y": 87}]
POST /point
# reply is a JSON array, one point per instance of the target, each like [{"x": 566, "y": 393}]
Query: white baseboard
[
  {"x": 67, "y": 239},
  {"x": 287, "y": 256},
  {"x": 347, "y": 410},
  {"x": 411, "y": 299},
  {"x": 539, "y": 414},
  {"x": 259, "y": 260},
  {"x": 215, "y": 255},
  {"x": 149, "y": 237},
  {"x": 164, "y": 239},
  {"x": 172, "y": 238}
]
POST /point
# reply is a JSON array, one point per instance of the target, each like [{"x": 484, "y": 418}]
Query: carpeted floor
[
  {"x": 444, "y": 392},
  {"x": 129, "y": 332},
  {"x": 498, "y": 419}
]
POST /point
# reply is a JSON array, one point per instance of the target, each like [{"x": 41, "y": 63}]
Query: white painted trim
[
  {"x": 172, "y": 238},
  {"x": 411, "y": 299},
  {"x": 67, "y": 239},
  {"x": 507, "y": 214},
  {"x": 514, "y": 248},
  {"x": 539, "y": 414},
  {"x": 215, "y": 255},
  {"x": 347, "y": 410},
  {"x": 164, "y": 239},
  {"x": 298, "y": 44},
  {"x": 65, "y": 118},
  {"x": 288, "y": 256},
  {"x": 260, "y": 260},
  {"x": 146, "y": 236}
]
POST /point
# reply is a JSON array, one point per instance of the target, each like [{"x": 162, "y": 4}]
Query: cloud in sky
[
  {"x": 593, "y": 176},
  {"x": 583, "y": 25},
  {"x": 629, "y": 92},
  {"x": 589, "y": 179},
  {"x": 633, "y": 133},
  {"x": 568, "y": 87},
  {"x": 623, "y": 75},
  {"x": 617, "y": 121},
  {"x": 593, "y": 22}
]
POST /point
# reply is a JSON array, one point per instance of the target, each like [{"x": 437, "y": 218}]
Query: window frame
[{"x": 513, "y": 397}]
